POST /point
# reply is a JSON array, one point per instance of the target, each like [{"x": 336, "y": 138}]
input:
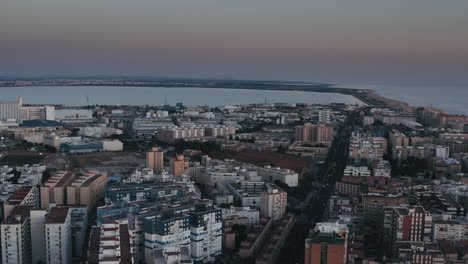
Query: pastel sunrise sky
[{"x": 309, "y": 40}]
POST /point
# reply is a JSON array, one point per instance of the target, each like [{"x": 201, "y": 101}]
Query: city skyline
[
  {"x": 322, "y": 41},
  {"x": 234, "y": 132}
]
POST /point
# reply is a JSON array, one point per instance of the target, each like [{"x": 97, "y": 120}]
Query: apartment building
[
  {"x": 256, "y": 237},
  {"x": 174, "y": 134},
  {"x": 357, "y": 167},
  {"x": 37, "y": 219},
  {"x": 79, "y": 228},
  {"x": 365, "y": 147},
  {"x": 58, "y": 236},
  {"x": 200, "y": 229},
  {"x": 381, "y": 168},
  {"x": 272, "y": 174},
  {"x": 314, "y": 133},
  {"x": 348, "y": 188},
  {"x": 54, "y": 189},
  {"x": 251, "y": 215},
  {"x": 68, "y": 188},
  {"x": 417, "y": 252},
  {"x": 273, "y": 202},
  {"x": 396, "y": 138},
  {"x": 86, "y": 189},
  {"x": 412, "y": 223},
  {"x": 155, "y": 159},
  {"x": 327, "y": 244},
  {"x": 179, "y": 165},
  {"x": 166, "y": 232},
  {"x": 218, "y": 174},
  {"x": 219, "y": 131},
  {"x": 449, "y": 229},
  {"x": 16, "y": 237},
  {"x": 25, "y": 195},
  {"x": 206, "y": 234},
  {"x": 180, "y": 255},
  {"x": 110, "y": 243}
]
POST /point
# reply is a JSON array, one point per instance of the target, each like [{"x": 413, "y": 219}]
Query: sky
[{"x": 355, "y": 41}]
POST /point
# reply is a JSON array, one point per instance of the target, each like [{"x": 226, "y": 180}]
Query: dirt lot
[
  {"x": 115, "y": 163},
  {"x": 261, "y": 158}
]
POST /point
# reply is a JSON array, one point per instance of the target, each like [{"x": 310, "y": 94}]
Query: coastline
[
  {"x": 378, "y": 100},
  {"x": 369, "y": 97}
]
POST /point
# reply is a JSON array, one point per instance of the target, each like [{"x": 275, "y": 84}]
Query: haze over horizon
[{"x": 327, "y": 41}]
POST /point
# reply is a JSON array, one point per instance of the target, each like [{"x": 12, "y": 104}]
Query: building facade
[{"x": 58, "y": 236}]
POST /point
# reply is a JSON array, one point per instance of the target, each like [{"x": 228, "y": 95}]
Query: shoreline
[{"x": 369, "y": 97}]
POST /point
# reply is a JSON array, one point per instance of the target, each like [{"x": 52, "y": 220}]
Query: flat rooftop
[
  {"x": 57, "y": 215},
  {"x": 18, "y": 215}
]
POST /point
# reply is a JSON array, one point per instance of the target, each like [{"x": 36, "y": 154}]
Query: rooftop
[
  {"x": 18, "y": 215},
  {"x": 57, "y": 215},
  {"x": 19, "y": 195},
  {"x": 41, "y": 123}
]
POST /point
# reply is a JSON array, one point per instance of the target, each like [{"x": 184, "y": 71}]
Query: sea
[
  {"x": 451, "y": 98},
  {"x": 108, "y": 95}
]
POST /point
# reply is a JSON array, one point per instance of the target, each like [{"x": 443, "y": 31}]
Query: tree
[
  {"x": 281, "y": 149},
  {"x": 74, "y": 132},
  {"x": 51, "y": 149}
]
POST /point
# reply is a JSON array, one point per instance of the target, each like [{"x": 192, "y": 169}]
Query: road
[{"x": 314, "y": 205}]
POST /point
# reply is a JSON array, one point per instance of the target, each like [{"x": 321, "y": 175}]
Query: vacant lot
[
  {"x": 115, "y": 163},
  {"x": 261, "y": 158},
  {"x": 20, "y": 159}
]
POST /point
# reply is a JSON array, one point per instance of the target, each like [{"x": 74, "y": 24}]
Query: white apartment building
[
  {"x": 220, "y": 130},
  {"x": 16, "y": 236},
  {"x": 449, "y": 229},
  {"x": 206, "y": 235},
  {"x": 166, "y": 233},
  {"x": 182, "y": 255},
  {"x": 351, "y": 170},
  {"x": 246, "y": 212},
  {"x": 247, "y": 193},
  {"x": 215, "y": 174},
  {"x": 141, "y": 175},
  {"x": 441, "y": 152},
  {"x": 324, "y": 116},
  {"x": 24, "y": 195},
  {"x": 31, "y": 175},
  {"x": 58, "y": 236},
  {"x": 382, "y": 168},
  {"x": 271, "y": 174},
  {"x": 38, "y": 217}
]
